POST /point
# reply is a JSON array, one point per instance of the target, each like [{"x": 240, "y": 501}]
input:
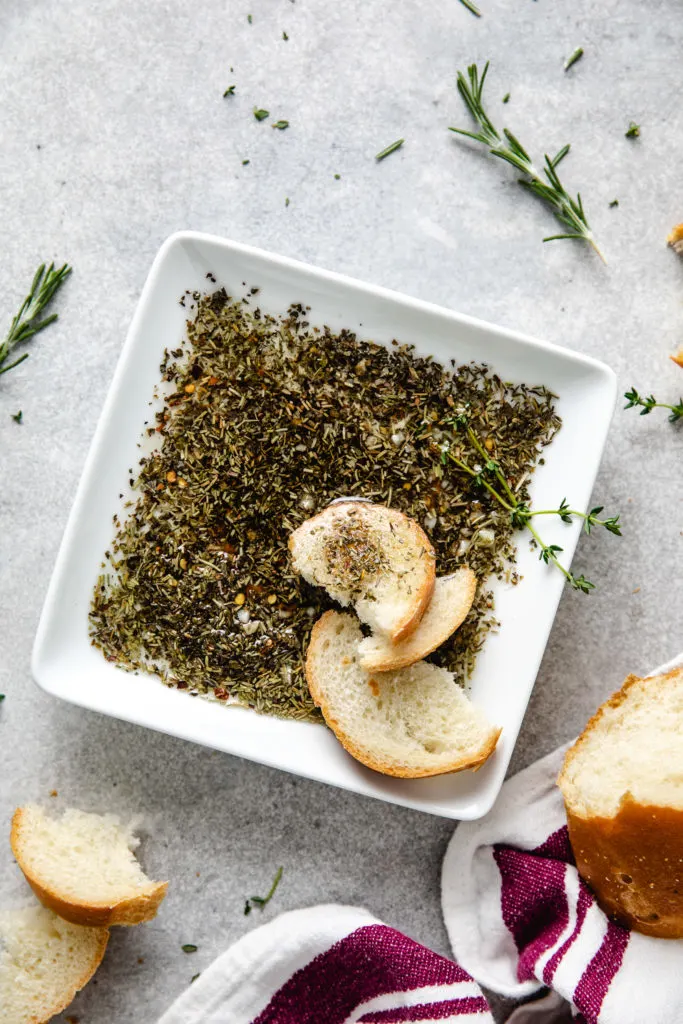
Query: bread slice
[
  {"x": 448, "y": 608},
  {"x": 372, "y": 557},
  {"x": 82, "y": 867},
  {"x": 411, "y": 723},
  {"x": 622, "y": 784},
  {"x": 44, "y": 962}
]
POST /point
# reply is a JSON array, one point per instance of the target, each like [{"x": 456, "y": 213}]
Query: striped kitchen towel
[{"x": 329, "y": 965}]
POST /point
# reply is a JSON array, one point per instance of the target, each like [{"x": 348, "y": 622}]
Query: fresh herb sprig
[
  {"x": 649, "y": 402},
  {"x": 261, "y": 901},
  {"x": 545, "y": 184},
  {"x": 490, "y": 476},
  {"x": 27, "y": 322}
]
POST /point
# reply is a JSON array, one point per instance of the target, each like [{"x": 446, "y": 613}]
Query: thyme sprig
[
  {"x": 649, "y": 402},
  {"x": 545, "y": 184},
  {"x": 490, "y": 476},
  {"x": 261, "y": 901},
  {"x": 27, "y": 323}
]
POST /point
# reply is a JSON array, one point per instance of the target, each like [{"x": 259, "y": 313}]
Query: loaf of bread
[
  {"x": 372, "y": 557},
  {"x": 622, "y": 784},
  {"x": 83, "y": 867},
  {"x": 44, "y": 962},
  {"x": 448, "y": 608},
  {"x": 411, "y": 723}
]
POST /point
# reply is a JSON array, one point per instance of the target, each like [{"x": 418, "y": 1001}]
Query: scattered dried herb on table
[{"x": 268, "y": 420}]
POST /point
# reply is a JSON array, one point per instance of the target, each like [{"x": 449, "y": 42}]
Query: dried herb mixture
[{"x": 269, "y": 419}]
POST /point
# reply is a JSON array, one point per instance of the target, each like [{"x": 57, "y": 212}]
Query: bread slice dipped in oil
[
  {"x": 451, "y": 601},
  {"x": 411, "y": 723},
  {"x": 622, "y": 783},
  {"x": 371, "y": 557}
]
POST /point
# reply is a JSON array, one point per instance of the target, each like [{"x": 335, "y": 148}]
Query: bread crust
[
  {"x": 632, "y": 861},
  {"x": 634, "y": 865},
  {"x": 364, "y": 756},
  {"x": 69, "y": 996},
  {"x": 411, "y": 621},
  {"x": 399, "y": 657},
  {"x": 141, "y": 907}
]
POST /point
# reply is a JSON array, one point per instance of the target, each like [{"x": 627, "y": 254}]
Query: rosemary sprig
[
  {"x": 649, "y": 402},
  {"x": 491, "y": 477},
  {"x": 546, "y": 184},
  {"x": 261, "y": 901},
  {"x": 27, "y": 323}
]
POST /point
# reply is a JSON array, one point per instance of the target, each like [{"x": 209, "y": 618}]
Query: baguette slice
[
  {"x": 371, "y": 557},
  {"x": 411, "y": 723},
  {"x": 622, "y": 784},
  {"x": 82, "y": 866},
  {"x": 44, "y": 962},
  {"x": 447, "y": 610}
]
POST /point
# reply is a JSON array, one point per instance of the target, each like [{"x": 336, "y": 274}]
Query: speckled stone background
[{"x": 113, "y": 134}]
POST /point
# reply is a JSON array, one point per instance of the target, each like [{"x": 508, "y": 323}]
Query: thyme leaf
[
  {"x": 17, "y": 416},
  {"x": 649, "y": 402},
  {"x": 189, "y": 947},
  {"x": 27, "y": 322},
  {"x": 260, "y": 114},
  {"x": 633, "y": 130},
  {"x": 262, "y": 901},
  {"x": 230, "y": 91},
  {"x": 281, "y": 125},
  {"x": 545, "y": 184}
]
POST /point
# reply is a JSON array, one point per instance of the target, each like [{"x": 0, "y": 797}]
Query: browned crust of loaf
[
  {"x": 403, "y": 658},
  {"x": 141, "y": 907},
  {"x": 365, "y": 757},
  {"x": 424, "y": 595},
  {"x": 69, "y": 994},
  {"x": 634, "y": 865},
  {"x": 643, "y": 843}
]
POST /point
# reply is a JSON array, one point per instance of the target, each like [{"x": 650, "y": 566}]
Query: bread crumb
[
  {"x": 198, "y": 873},
  {"x": 675, "y": 239},
  {"x": 678, "y": 357},
  {"x": 53, "y": 792},
  {"x": 141, "y": 959},
  {"x": 72, "y": 1019},
  {"x": 636, "y": 591}
]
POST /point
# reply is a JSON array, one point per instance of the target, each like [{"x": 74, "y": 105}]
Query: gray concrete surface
[{"x": 113, "y": 134}]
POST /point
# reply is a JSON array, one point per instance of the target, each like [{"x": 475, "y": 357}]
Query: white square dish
[{"x": 67, "y": 666}]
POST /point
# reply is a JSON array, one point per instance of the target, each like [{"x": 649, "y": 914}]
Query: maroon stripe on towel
[
  {"x": 584, "y": 901},
  {"x": 372, "y": 961},
  {"x": 428, "y": 1011},
  {"x": 533, "y": 903},
  {"x": 599, "y": 974},
  {"x": 557, "y": 846}
]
